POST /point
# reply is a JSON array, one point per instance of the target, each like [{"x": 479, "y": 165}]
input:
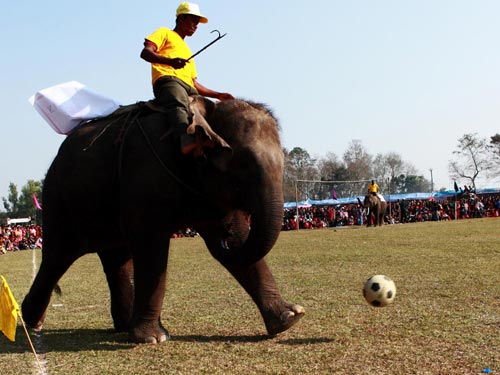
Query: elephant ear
[{"x": 219, "y": 152}]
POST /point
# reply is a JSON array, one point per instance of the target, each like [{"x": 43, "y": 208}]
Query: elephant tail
[{"x": 58, "y": 290}]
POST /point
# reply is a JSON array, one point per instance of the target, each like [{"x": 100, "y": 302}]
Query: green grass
[{"x": 445, "y": 319}]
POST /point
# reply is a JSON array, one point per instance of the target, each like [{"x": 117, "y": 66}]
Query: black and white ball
[{"x": 379, "y": 291}]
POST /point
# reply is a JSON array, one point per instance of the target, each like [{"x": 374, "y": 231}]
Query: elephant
[
  {"x": 120, "y": 187},
  {"x": 375, "y": 208}
]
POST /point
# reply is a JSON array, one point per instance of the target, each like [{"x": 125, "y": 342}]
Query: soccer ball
[{"x": 379, "y": 291}]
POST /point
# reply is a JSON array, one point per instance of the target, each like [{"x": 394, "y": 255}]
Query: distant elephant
[
  {"x": 119, "y": 186},
  {"x": 375, "y": 208}
]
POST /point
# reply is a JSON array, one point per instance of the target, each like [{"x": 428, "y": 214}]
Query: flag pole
[
  {"x": 30, "y": 342},
  {"x": 10, "y": 308}
]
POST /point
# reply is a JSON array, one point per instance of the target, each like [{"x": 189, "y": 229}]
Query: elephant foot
[
  {"x": 149, "y": 333},
  {"x": 37, "y": 327},
  {"x": 31, "y": 318},
  {"x": 286, "y": 319}
]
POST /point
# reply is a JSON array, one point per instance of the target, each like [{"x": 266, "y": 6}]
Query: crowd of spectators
[
  {"x": 401, "y": 211},
  {"x": 23, "y": 237},
  {"x": 20, "y": 237}
]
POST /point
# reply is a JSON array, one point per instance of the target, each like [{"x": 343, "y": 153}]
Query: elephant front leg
[
  {"x": 260, "y": 284},
  {"x": 35, "y": 303},
  {"x": 150, "y": 269}
]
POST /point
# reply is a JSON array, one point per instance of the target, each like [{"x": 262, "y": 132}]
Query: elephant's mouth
[
  {"x": 245, "y": 235},
  {"x": 235, "y": 230}
]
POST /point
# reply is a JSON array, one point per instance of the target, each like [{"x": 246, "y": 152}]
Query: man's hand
[
  {"x": 149, "y": 53},
  {"x": 203, "y": 91},
  {"x": 177, "y": 63},
  {"x": 224, "y": 96}
]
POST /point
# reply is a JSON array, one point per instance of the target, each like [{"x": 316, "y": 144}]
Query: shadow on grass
[
  {"x": 68, "y": 340},
  {"x": 252, "y": 339},
  {"x": 221, "y": 338},
  {"x": 307, "y": 341},
  {"x": 77, "y": 340}
]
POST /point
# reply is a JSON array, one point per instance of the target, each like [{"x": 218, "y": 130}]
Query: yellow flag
[{"x": 9, "y": 310}]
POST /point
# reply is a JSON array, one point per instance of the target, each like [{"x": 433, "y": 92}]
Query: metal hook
[{"x": 209, "y": 44}]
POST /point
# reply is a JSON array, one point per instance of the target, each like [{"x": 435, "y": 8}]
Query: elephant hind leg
[
  {"x": 118, "y": 267},
  {"x": 150, "y": 256}
]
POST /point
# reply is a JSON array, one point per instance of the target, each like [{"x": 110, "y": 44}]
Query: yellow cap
[{"x": 190, "y": 8}]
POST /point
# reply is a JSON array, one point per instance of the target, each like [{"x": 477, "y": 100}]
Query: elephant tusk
[{"x": 224, "y": 245}]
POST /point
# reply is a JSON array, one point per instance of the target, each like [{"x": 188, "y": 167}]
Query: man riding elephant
[
  {"x": 376, "y": 206},
  {"x": 135, "y": 188},
  {"x": 174, "y": 75}
]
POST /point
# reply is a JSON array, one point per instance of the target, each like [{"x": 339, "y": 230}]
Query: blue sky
[{"x": 404, "y": 76}]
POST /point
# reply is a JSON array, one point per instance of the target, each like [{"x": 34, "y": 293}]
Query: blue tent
[{"x": 390, "y": 198}]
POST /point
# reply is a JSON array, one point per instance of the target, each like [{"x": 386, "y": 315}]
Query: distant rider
[{"x": 373, "y": 188}]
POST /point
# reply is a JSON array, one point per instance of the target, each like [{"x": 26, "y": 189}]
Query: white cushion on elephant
[{"x": 67, "y": 105}]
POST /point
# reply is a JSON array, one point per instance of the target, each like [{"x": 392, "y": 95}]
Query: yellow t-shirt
[
  {"x": 373, "y": 188},
  {"x": 170, "y": 44}
]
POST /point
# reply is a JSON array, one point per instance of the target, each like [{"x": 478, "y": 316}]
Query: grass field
[{"x": 445, "y": 320}]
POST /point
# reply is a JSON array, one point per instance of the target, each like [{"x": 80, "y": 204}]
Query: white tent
[{"x": 19, "y": 221}]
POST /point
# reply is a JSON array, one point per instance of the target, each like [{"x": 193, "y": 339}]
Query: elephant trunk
[
  {"x": 265, "y": 229},
  {"x": 266, "y": 217}
]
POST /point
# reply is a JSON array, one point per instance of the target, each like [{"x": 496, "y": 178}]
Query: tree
[
  {"x": 18, "y": 206},
  {"x": 386, "y": 168},
  {"x": 495, "y": 143},
  {"x": 413, "y": 183},
  {"x": 302, "y": 165},
  {"x": 472, "y": 158},
  {"x": 11, "y": 203},
  {"x": 494, "y": 148},
  {"x": 381, "y": 171},
  {"x": 298, "y": 166},
  {"x": 288, "y": 178},
  {"x": 331, "y": 168},
  {"x": 393, "y": 174},
  {"x": 358, "y": 161}
]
